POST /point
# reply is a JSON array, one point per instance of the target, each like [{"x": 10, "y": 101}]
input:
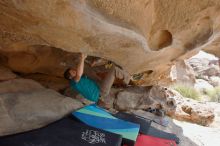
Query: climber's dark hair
[{"x": 67, "y": 74}]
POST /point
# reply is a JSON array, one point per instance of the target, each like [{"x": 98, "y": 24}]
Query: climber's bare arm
[{"x": 80, "y": 67}]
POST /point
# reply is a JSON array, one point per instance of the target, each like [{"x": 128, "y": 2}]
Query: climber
[{"x": 89, "y": 85}]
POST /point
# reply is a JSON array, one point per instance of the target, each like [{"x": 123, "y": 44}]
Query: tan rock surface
[
  {"x": 26, "y": 105},
  {"x": 19, "y": 85},
  {"x": 6, "y": 74},
  {"x": 140, "y": 35},
  {"x": 49, "y": 81},
  {"x": 39, "y": 59}
]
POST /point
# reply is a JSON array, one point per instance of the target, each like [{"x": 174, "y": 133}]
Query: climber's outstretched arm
[{"x": 80, "y": 67}]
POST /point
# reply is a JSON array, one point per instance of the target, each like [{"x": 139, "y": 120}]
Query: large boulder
[
  {"x": 128, "y": 100},
  {"x": 49, "y": 81},
  {"x": 170, "y": 101},
  {"x": 26, "y": 105},
  {"x": 19, "y": 85}
]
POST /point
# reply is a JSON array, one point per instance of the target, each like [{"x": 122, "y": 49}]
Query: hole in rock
[
  {"x": 160, "y": 39},
  {"x": 170, "y": 103},
  {"x": 149, "y": 72},
  {"x": 140, "y": 75}
]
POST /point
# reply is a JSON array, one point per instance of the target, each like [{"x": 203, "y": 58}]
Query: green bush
[
  {"x": 214, "y": 94},
  {"x": 187, "y": 91}
]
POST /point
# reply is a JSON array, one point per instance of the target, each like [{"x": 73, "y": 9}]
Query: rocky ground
[{"x": 199, "y": 135}]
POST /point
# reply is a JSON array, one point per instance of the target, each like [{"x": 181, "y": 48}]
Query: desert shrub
[
  {"x": 187, "y": 91},
  {"x": 214, "y": 94}
]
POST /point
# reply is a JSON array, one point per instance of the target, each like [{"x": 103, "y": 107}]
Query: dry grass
[
  {"x": 187, "y": 91},
  {"x": 214, "y": 94}
]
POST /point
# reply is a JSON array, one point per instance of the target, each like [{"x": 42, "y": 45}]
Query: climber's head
[{"x": 70, "y": 73}]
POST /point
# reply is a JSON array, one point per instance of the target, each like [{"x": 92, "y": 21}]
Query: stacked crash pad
[
  {"x": 146, "y": 128},
  {"x": 146, "y": 140},
  {"x": 144, "y": 124},
  {"x": 66, "y": 132},
  {"x": 93, "y": 125},
  {"x": 97, "y": 117}
]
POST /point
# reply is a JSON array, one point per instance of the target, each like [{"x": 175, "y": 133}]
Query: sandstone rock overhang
[{"x": 140, "y": 36}]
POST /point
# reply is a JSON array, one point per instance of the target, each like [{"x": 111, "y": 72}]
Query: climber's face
[{"x": 72, "y": 73}]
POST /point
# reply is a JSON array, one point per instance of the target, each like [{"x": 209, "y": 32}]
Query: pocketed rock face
[
  {"x": 193, "y": 111},
  {"x": 199, "y": 113},
  {"x": 26, "y": 105},
  {"x": 140, "y": 36},
  {"x": 165, "y": 99},
  {"x": 182, "y": 108}
]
